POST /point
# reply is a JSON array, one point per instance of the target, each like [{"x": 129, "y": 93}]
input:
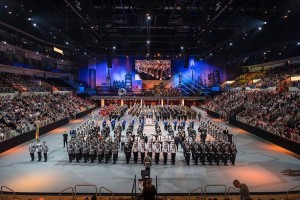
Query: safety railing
[
  {"x": 201, "y": 196},
  {"x": 60, "y": 193},
  {"x": 228, "y": 191},
  {"x": 225, "y": 188},
  {"x": 156, "y": 188},
  {"x": 76, "y": 186},
  {"x": 104, "y": 188},
  {"x": 14, "y": 194},
  {"x": 133, "y": 191},
  {"x": 287, "y": 193}
]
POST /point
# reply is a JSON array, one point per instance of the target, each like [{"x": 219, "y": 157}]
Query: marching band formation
[{"x": 210, "y": 143}]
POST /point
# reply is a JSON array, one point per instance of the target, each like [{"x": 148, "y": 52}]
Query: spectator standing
[{"x": 244, "y": 191}]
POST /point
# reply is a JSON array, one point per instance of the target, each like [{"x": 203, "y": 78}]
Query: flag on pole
[{"x": 37, "y": 130}]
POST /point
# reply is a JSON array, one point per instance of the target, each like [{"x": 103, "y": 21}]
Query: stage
[{"x": 260, "y": 164}]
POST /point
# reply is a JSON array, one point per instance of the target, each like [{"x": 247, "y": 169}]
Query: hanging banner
[
  {"x": 7, "y": 49},
  {"x": 33, "y": 56}
]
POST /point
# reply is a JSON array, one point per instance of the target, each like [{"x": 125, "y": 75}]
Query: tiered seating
[
  {"x": 20, "y": 113},
  {"x": 22, "y": 83},
  {"x": 58, "y": 83},
  {"x": 245, "y": 80},
  {"x": 275, "y": 112},
  {"x": 273, "y": 76},
  {"x": 268, "y": 78},
  {"x": 278, "y": 113}
]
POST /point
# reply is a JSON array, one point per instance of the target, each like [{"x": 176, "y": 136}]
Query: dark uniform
[
  {"x": 65, "y": 140},
  {"x": 32, "y": 149},
  {"x": 39, "y": 151},
  {"x": 45, "y": 150}
]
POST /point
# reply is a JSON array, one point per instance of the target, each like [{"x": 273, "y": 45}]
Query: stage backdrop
[{"x": 124, "y": 74}]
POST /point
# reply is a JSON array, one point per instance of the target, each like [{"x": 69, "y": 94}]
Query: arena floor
[{"x": 260, "y": 164}]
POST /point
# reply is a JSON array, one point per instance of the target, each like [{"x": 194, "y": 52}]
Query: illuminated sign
[{"x": 58, "y": 50}]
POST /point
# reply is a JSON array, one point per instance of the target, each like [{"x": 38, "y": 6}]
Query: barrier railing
[
  {"x": 112, "y": 194},
  {"x": 156, "y": 188},
  {"x": 287, "y": 193},
  {"x": 60, "y": 193},
  {"x": 14, "y": 194},
  {"x": 133, "y": 191},
  {"x": 196, "y": 190},
  {"x": 225, "y": 188},
  {"x": 228, "y": 191},
  {"x": 76, "y": 186}
]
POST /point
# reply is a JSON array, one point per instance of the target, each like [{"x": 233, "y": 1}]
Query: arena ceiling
[{"x": 207, "y": 28}]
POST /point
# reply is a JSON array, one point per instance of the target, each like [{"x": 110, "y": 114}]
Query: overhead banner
[
  {"x": 7, "y": 49},
  {"x": 33, "y": 56}
]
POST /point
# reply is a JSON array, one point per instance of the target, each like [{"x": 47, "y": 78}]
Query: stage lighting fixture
[
  {"x": 259, "y": 28},
  {"x": 5, "y": 6},
  {"x": 182, "y": 48},
  {"x": 29, "y": 19},
  {"x": 4, "y": 42},
  {"x": 34, "y": 24},
  {"x": 9, "y": 12},
  {"x": 148, "y": 42},
  {"x": 298, "y": 43},
  {"x": 67, "y": 43},
  {"x": 114, "y": 47},
  {"x": 148, "y": 17},
  {"x": 210, "y": 54},
  {"x": 265, "y": 22},
  {"x": 84, "y": 53},
  {"x": 230, "y": 43}
]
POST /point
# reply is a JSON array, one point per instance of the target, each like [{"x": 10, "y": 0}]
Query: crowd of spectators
[
  {"x": 19, "y": 113},
  {"x": 275, "y": 112},
  {"x": 22, "y": 83},
  {"x": 267, "y": 78}
]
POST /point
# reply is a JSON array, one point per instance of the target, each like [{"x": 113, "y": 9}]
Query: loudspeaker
[
  {"x": 109, "y": 65},
  {"x": 186, "y": 61}
]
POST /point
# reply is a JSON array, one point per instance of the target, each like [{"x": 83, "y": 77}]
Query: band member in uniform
[
  {"x": 85, "y": 151},
  {"x": 142, "y": 150},
  {"x": 127, "y": 151},
  {"x": 92, "y": 152},
  {"x": 45, "y": 150},
  {"x": 100, "y": 152},
  {"x": 77, "y": 148},
  {"x": 39, "y": 150},
  {"x": 135, "y": 151},
  {"x": 70, "y": 152},
  {"x": 115, "y": 153},
  {"x": 107, "y": 153},
  {"x": 32, "y": 149},
  {"x": 187, "y": 154},
  {"x": 157, "y": 152},
  {"x": 149, "y": 150},
  {"x": 165, "y": 152},
  {"x": 173, "y": 153}
]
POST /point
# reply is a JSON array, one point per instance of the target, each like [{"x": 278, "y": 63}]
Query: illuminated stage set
[
  {"x": 263, "y": 166},
  {"x": 138, "y": 76}
]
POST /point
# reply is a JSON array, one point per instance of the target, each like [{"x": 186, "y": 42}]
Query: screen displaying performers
[{"x": 153, "y": 69}]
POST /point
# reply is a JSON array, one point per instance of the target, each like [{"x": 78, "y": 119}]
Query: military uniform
[
  {"x": 45, "y": 150},
  {"x": 32, "y": 149},
  {"x": 135, "y": 151},
  {"x": 39, "y": 151},
  {"x": 100, "y": 152},
  {"x": 165, "y": 151},
  {"x": 115, "y": 153},
  {"x": 70, "y": 152}
]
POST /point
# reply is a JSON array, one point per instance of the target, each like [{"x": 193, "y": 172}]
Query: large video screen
[{"x": 153, "y": 69}]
